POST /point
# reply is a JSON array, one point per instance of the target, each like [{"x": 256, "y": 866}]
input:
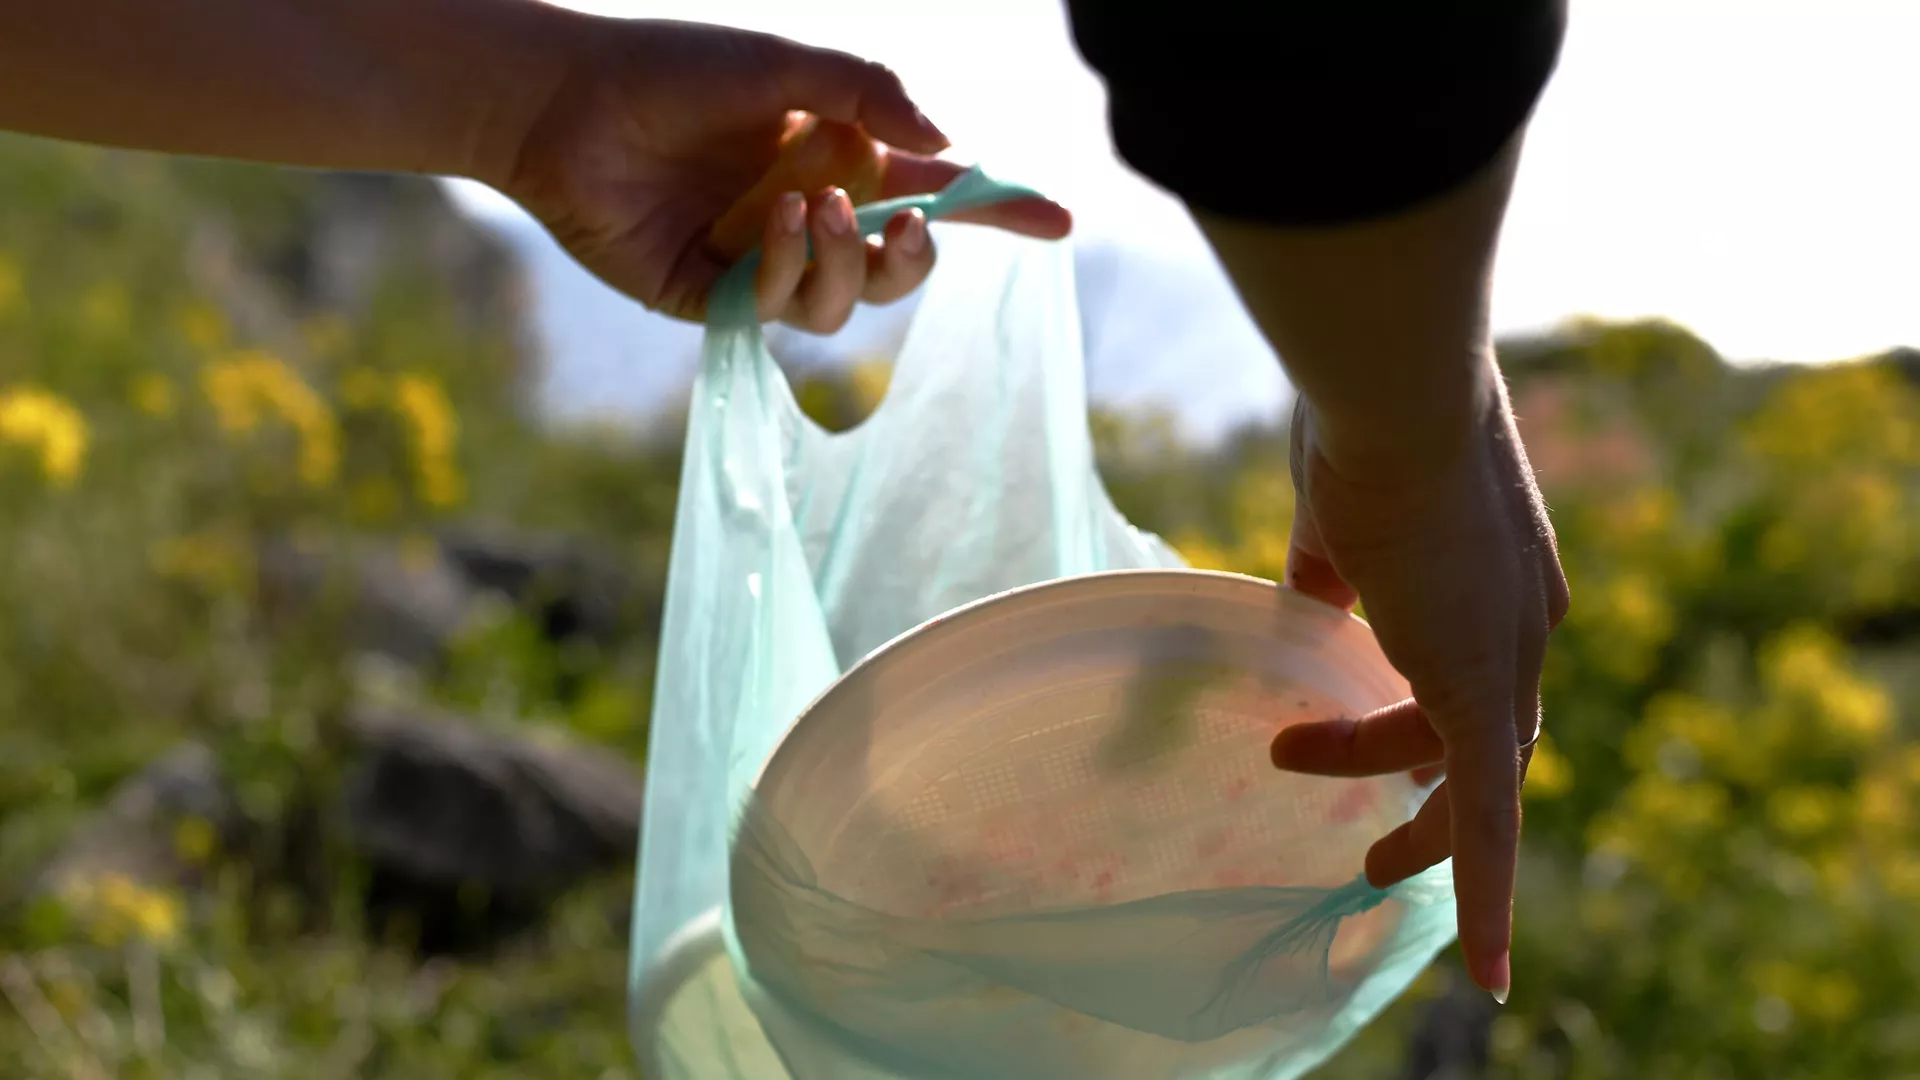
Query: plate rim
[{"x": 974, "y": 609}]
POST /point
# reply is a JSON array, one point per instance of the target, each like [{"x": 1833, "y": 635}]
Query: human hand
[
  {"x": 1457, "y": 566},
  {"x": 657, "y": 129}
]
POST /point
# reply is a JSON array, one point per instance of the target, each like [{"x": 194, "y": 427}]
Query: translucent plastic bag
[{"x": 798, "y": 552}]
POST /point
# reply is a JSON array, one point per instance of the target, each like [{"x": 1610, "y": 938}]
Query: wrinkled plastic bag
[{"x": 796, "y": 552}]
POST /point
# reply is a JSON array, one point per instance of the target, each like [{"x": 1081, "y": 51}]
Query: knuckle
[
  {"x": 1497, "y": 824},
  {"x": 1559, "y": 599},
  {"x": 828, "y": 320},
  {"x": 883, "y": 77}
]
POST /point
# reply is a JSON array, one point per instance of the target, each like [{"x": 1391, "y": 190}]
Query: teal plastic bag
[{"x": 797, "y": 552}]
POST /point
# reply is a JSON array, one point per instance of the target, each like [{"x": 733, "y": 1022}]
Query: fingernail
[
  {"x": 1277, "y": 750},
  {"x": 1500, "y": 977},
  {"x": 913, "y": 234},
  {"x": 838, "y": 214},
  {"x": 793, "y": 212}
]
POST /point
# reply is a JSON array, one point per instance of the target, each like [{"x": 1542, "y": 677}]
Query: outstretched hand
[{"x": 659, "y": 132}]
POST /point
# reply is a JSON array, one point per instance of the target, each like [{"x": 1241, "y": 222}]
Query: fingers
[
  {"x": 850, "y": 90},
  {"x": 1309, "y": 570},
  {"x": 1397, "y": 738},
  {"x": 819, "y": 295},
  {"x": 783, "y": 256},
  {"x": 1418, "y": 845},
  {"x": 899, "y": 259},
  {"x": 833, "y": 284},
  {"x": 1483, "y": 808}
]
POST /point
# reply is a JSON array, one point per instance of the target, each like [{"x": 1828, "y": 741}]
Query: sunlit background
[
  {"x": 327, "y": 663},
  {"x": 1746, "y": 169}
]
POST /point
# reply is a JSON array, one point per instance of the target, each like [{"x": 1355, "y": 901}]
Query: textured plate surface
[{"x": 1092, "y": 740}]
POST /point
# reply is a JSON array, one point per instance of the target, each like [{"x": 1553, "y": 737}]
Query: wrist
[
  {"x": 525, "y": 51},
  {"x": 1406, "y": 433}
]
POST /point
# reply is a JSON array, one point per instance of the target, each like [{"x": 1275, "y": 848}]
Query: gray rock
[
  {"x": 468, "y": 835},
  {"x": 404, "y": 609},
  {"x": 571, "y": 588},
  {"x": 135, "y": 834},
  {"x": 441, "y": 800}
]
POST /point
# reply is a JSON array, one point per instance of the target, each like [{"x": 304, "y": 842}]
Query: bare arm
[
  {"x": 627, "y": 138},
  {"x": 432, "y": 86},
  {"x": 1383, "y": 325}
]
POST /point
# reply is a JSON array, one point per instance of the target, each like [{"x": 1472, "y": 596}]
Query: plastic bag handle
[{"x": 732, "y": 303}]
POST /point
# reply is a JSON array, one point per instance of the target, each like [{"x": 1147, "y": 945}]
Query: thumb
[
  {"x": 1309, "y": 569},
  {"x": 842, "y": 87}
]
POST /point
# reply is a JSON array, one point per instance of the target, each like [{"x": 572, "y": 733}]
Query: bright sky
[{"x": 1750, "y": 168}]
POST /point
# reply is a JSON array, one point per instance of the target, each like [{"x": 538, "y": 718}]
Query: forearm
[
  {"x": 1382, "y": 325},
  {"x": 432, "y": 86},
  {"x": 1351, "y": 167}
]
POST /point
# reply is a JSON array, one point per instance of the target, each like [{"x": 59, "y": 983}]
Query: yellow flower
[
  {"x": 115, "y": 909},
  {"x": 1630, "y": 611},
  {"x": 1726, "y": 744},
  {"x": 1820, "y": 418},
  {"x": 1655, "y": 822},
  {"x": 434, "y": 429},
  {"x": 1805, "y": 667},
  {"x": 12, "y": 292},
  {"x": 1202, "y": 553},
  {"x": 1549, "y": 775},
  {"x": 1648, "y": 511},
  {"x": 1803, "y": 812},
  {"x": 153, "y": 395},
  {"x": 1262, "y": 527},
  {"x": 244, "y": 385},
  {"x": 1638, "y": 607},
  {"x": 1857, "y": 708},
  {"x": 34, "y": 419}
]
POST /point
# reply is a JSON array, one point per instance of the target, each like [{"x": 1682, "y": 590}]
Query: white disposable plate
[{"x": 1090, "y": 740}]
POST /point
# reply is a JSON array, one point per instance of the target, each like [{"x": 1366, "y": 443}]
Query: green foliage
[{"x": 171, "y": 399}]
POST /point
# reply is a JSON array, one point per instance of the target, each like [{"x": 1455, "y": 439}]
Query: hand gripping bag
[{"x": 1130, "y": 923}]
